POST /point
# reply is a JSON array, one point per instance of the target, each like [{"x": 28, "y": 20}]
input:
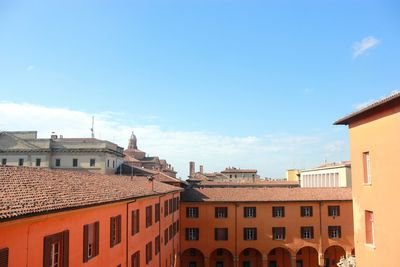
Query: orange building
[
  {"x": 265, "y": 227},
  {"x": 64, "y": 218},
  {"x": 375, "y": 155}
]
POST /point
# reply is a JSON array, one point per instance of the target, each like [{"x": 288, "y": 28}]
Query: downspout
[
  {"x": 159, "y": 232},
  {"x": 320, "y": 232},
  {"x": 236, "y": 234},
  {"x": 127, "y": 231}
]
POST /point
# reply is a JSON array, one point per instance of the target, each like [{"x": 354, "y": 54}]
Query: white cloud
[
  {"x": 361, "y": 47},
  {"x": 271, "y": 154},
  {"x": 30, "y": 67}
]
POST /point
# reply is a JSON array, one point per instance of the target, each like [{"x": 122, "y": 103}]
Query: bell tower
[{"x": 132, "y": 142}]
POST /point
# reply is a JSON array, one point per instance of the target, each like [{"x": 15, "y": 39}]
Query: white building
[
  {"x": 25, "y": 149},
  {"x": 327, "y": 175}
]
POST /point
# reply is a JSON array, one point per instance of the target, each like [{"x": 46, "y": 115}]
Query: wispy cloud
[
  {"x": 30, "y": 68},
  {"x": 365, "y": 44},
  {"x": 271, "y": 154}
]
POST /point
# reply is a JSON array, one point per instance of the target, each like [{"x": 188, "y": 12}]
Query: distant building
[
  {"x": 293, "y": 175},
  {"x": 230, "y": 174},
  {"x": 136, "y": 157},
  {"x": 375, "y": 157},
  {"x": 23, "y": 148},
  {"x": 285, "y": 227},
  {"x": 327, "y": 175}
]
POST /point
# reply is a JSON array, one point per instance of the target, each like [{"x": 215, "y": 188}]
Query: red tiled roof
[
  {"x": 266, "y": 194},
  {"x": 393, "y": 99},
  {"x": 259, "y": 183},
  {"x": 29, "y": 190}
]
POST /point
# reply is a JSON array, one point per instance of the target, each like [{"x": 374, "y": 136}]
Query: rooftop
[
  {"x": 26, "y": 191},
  {"x": 236, "y": 170},
  {"x": 392, "y": 99},
  {"x": 266, "y": 194}
]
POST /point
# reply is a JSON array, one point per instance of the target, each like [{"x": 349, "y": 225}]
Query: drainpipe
[
  {"x": 159, "y": 232},
  {"x": 127, "y": 231},
  {"x": 236, "y": 258},
  {"x": 321, "y": 261}
]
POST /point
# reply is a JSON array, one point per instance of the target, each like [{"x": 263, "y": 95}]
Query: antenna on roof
[{"x": 92, "y": 129}]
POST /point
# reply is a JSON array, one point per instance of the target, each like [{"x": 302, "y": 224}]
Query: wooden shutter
[
  {"x": 338, "y": 210},
  {"x": 96, "y": 238},
  {"x": 4, "y": 257},
  {"x": 340, "y": 231},
  {"x": 112, "y": 231},
  {"x": 46, "y": 251},
  {"x": 118, "y": 222},
  {"x": 65, "y": 246},
  {"x": 85, "y": 242},
  {"x": 283, "y": 211}
]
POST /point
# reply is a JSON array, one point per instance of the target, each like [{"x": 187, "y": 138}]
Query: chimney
[
  {"x": 201, "y": 169},
  {"x": 191, "y": 169},
  {"x": 53, "y": 136}
]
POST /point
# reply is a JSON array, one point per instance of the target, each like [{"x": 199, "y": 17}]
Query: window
[
  {"x": 157, "y": 212},
  {"x": 92, "y": 162},
  {"x": 74, "y": 162},
  {"x": 20, "y": 162},
  {"x": 250, "y": 233},
  {"x": 166, "y": 236},
  {"x": 171, "y": 232},
  {"x": 4, "y": 257},
  {"x": 177, "y": 226},
  {"x": 369, "y": 227},
  {"x": 192, "y": 212},
  {"x": 157, "y": 245},
  {"x": 221, "y": 212},
  {"x": 249, "y": 212},
  {"x": 55, "y": 253},
  {"x": 246, "y": 264},
  {"x": 278, "y": 233},
  {"x": 115, "y": 230},
  {"x": 221, "y": 234},
  {"x": 192, "y": 233},
  {"x": 367, "y": 168},
  {"x": 333, "y": 211},
  {"x": 177, "y": 203},
  {"x": 149, "y": 216},
  {"x": 246, "y": 252},
  {"x": 113, "y": 163},
  {"x": 38, "y": 162},
  {"x": 165, "y": 208},
  {"x": 307, "y": 232},
  {"x": 306, "y": 211},
  {"x": 135, "y": 221},
  {"x": 108, "y": 163},
  {"x": 3, "y": 161},
  {"x": 192, "y": 264},
  {"x": 334, "y": 231},
  {"x": 58, "y": 162},
  {"x": 149, "y": 252},
  {"x": 170, "y": 206},
  {"x": 220, "y": 252},
  {"x": 135, "y": 259},
  {"x": 278, "y": 211},
  {"x": 90, "y": 241},
  {"x": 219, "y": 263}
]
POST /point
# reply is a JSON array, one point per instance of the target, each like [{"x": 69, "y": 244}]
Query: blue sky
[{"x": 246, "y": 83}]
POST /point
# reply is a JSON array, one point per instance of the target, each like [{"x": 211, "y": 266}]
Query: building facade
[
  {"x": 82, "y": 219},
  {"x": 265, "y": 227},
  {"x": 137, "y": 158},
  {"x": 91, "y": 154},
  {"x": 375, "y": 149},
  {"x": 327, "y": 175}
]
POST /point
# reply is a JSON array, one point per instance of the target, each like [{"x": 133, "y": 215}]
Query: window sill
[
  {"x": 367, "y": 184},
  {"x": 371, "y": 246}
]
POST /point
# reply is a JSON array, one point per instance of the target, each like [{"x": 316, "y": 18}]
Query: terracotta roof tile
[
  {"x": 29, "y": 190},
  {"x": 267, "y": 194}
]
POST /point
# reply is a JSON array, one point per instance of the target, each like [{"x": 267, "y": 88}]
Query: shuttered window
[
  {"x": 4, "y": 257},
  {"x": 135, "y": 221},
  {"x": 56, "y": 248},
  {"x": 90, "y": 241},
  {"x": 221, "y": 234},
  {"x": 165, "y": 208},
  {"x": 157, "y": 212},
  {"x": 135, "y": 259},
  {"x": 369, "y": 227},
  {"x": 149, "y": 216},
  {"x": 115, "y": 230},
  {"x": 278, "y": 233},
  {"x": 157, "y": 245}
]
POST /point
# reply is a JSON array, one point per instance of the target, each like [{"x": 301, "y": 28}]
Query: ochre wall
[
  {"x": 380, "y": 136},
  {"x": 264, "y": 223}
]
